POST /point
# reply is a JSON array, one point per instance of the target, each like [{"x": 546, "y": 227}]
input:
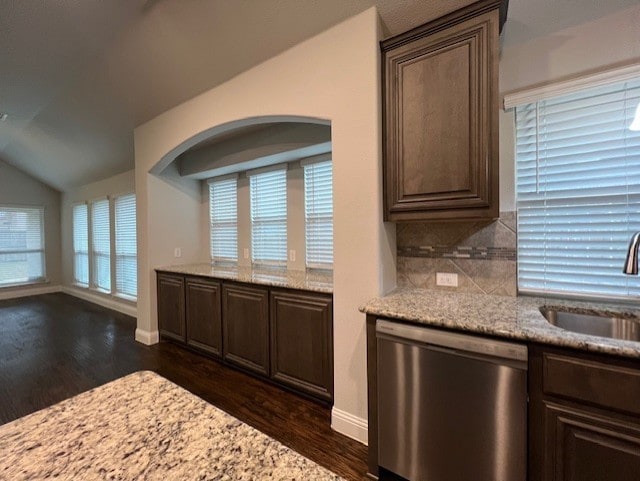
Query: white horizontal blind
[
  {"x": 223, "y": 217},
  {"x": 578, "y": 191},
  {"x": 21, "y": 245},
  {"x": 126, "y": 249},
  {"x": 101, "y": 244},
  {"x": 318, "y": 213},
  {"x": 80, "y": 245},
  {"x": 269, "y": 217}
]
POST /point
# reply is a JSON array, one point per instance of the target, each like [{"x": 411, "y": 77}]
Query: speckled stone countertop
[
  {"x": 291, "y": 279},
  {"x": 508, "y": 317},
  {"x": 143, "y": 427}
]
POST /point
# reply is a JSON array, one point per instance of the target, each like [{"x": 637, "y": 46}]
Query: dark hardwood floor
[{"x": 55, "y": 346}]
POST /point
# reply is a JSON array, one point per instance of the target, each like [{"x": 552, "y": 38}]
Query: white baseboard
[
  {"x": 25, "y": 291},
  {"x": 104, "y": 301},
  {"x": 350, "y": 425},
  {"x": 147, "y": 337}
]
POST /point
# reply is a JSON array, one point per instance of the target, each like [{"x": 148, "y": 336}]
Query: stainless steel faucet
[{"x": 631, "y": 264}]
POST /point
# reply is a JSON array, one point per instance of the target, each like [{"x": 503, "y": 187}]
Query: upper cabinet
[{"x": 440, "y": 101}]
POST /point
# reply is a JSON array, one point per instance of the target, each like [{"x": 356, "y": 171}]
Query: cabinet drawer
[{"x": 606, "y": 385}]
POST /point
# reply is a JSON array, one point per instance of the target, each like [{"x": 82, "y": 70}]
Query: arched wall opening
[
  {"x": 225, "y": 129},
  {"x": 334, "y": 77}
]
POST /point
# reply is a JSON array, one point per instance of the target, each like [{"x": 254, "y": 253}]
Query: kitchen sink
[{"x": 594, "y": 324}]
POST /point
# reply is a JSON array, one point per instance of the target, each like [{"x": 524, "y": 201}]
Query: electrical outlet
[
  {"x": 292, "y": 255},
  {"x": 246, "y": 253},
  {"x": 448, "y": 279},
  {"x": 177, "y": 252}
]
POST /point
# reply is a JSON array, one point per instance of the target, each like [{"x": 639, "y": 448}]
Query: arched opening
[{"x": 238, "y": 128}]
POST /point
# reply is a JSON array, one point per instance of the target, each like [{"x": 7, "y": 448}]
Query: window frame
[
  {"x": 76, "y": 282},
  {"x": 113, "y": 292},
  {"x": 93, "y": 284},
  {"x": 43, "y": 249},
  {"x": 222, "y": 260},
  {"x": 254, "y": 174},
  {"x": 309, "y": 163},
  {"x": 114, "y": 247},
  {"x": 561, "y": 94}
]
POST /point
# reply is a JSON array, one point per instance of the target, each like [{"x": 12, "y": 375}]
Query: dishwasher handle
[{"x": 452, "y": 340}]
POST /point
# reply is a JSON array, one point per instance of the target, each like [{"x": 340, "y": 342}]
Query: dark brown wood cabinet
[
  {"x": 301, "y": 342},
  {"x": 246, "y": 327},
  {"x": 584, "y": 417},
  {"x": 171, "y": 307},
  {"x": 440, "y": 111},
  {"x": 283, "y": 335},
  {"x": 204, "y": 315}
]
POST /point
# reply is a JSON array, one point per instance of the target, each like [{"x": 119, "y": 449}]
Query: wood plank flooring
[{"x": 55, "y": 346}]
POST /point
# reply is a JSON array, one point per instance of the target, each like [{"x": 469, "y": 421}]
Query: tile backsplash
[{"x": 483, "y": 255}]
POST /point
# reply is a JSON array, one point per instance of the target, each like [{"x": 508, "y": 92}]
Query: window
[
  {"x": 223, "y": 215},
  {"x": 80, "y": 245},
  {"x": 21, "y": 245},
  {"x": 318, "y": 214},
  {"x": 101, "y": 245},
  {"x": 578, "y": 191},
  {"x": 126, "y": 249},
  {"x": 268, "y": 193}
]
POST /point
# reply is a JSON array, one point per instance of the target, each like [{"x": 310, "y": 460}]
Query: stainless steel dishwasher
[{"x": 451, "y": 407}]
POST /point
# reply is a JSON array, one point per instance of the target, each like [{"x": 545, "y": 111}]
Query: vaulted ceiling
[{"x": 79, "y": 75}]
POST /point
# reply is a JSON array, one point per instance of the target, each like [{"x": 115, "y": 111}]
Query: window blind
[
  {"x": 318, "y": 212},
  {"x": 21, "y": 245},
  {"x": 126, "y": 249},
  {"x": 101, "y": 244},
  {"x": 223, "y": 217},
  {"x": 578, "y": 191},
  {"x": 80, "y": 245},
  {"x": 268, "y": 192}
]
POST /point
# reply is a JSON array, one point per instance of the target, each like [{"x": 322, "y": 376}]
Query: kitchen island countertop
[
  {"x": 316, "y": 281},
  {"x": 517, "y": 318},
  {"x": 144, "y": 427}
]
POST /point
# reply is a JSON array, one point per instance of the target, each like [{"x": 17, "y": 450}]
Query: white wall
[
  {"x": 18, "y": 188},
  {"x": 599, "y": 45},
  {"x": 112, "y": 186},
  {"x": 334, "y": 76}
]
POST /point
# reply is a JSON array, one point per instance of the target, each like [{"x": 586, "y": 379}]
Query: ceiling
[{"x": 79, "y": 75}]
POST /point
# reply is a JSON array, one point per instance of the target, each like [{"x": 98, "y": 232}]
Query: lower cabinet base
[{"x": 283, "y": 336}]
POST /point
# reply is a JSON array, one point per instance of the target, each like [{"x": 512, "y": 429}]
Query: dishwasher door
[{"x": 451, "y": 407}]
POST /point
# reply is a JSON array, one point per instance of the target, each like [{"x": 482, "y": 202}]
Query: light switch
[
  {"x": 292, "y": 255},
  {"x": 177, "y": 252},
  {"x": 246, "y": 253}
]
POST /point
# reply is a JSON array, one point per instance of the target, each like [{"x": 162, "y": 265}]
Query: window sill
[
  {"x": 126, "y": 297},
  {"x": 120, "y": 297},
  {"x": 25, "y": 284},
  {"x": 100, "y": 290}
]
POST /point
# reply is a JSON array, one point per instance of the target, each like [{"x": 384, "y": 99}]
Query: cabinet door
[
  {"x": 584, "y": 446},
  {"x": 171, "y": 321},
  {"x": 441, "y": 120},
  {"x": 204, "y": 323},
  {"x": 302, "y": 342},
  {"x": 245, "y": 314}
]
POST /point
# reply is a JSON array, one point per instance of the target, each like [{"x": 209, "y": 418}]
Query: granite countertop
[
  {"x": 516, "y": 318},
  {"x": 291, "y": 279},
  {"x": 143, "y": 427}
]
